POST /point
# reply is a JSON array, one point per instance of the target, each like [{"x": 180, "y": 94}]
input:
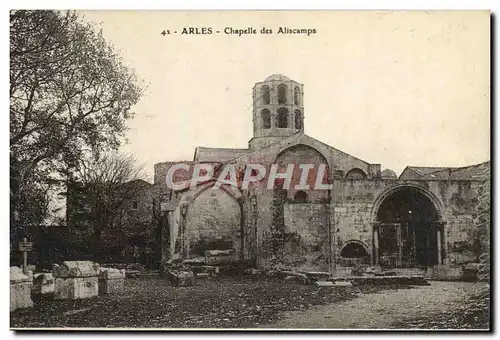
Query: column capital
[{"x": 439, "y": 224}]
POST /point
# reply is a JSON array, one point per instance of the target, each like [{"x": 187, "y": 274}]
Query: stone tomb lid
[
  {"x": 111, "y": 273},
  {"x": 76, "y": 269},
  {"x": 43, "y": 278},
  {"x": 17, "y": 275}
]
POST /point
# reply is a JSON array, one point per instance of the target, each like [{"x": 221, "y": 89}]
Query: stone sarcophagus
[
  {"x": 111, "y": 280},
  {"x": 180, "y": 278},
  {"x": 75, "y": 280},
  {"x": 20, "y": 289},
  {"x": 43, "y": 284},
  {"x": 220, "y": 257}
]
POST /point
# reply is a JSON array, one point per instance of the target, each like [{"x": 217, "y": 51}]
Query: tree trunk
[{"x": 97, "y": 244}]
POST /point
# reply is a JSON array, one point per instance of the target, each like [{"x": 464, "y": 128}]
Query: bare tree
[
  {"x": 69, "y": 91},
  {"x": 99, "y": 191}
]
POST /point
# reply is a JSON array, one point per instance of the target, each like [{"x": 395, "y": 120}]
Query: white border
[
  {"x": 492, "y": 5},
  {"x": 259, "y": 4}
]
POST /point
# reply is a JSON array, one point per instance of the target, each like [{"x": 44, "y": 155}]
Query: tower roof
[
  {"x": 388, "y": 173},
  {"x": 277, "y": 77}
]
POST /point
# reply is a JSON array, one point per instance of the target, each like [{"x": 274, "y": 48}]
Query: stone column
[
  {"x": 438, "y": 240},
  {"x": 166, "y": 234},
  {"x": 399, "y": 258},
  {"x": 242, "y": 206},
  {"x": 375, "y": 244},
  {"x": 330, "y": 223},
  {"x": 182, "y": 221},
  {"x": 444, "y": 244},
  {"x": 254, "y": 250},
  {"x": 414, "y": 242}
]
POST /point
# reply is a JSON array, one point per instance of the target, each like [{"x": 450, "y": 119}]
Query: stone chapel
[{"x": 420, "y": 219}]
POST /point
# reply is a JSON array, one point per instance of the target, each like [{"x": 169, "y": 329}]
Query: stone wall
[
  {"x": 213, "y": 222},
  {"x": 354, "y": 201},
  {"x": 352, "y": 222},
  {"x": 264, "y": 221},
  {"x": 353, "y": 204},
  {"x": 306, "y": 237},
  {"x": 160, "y": 173},
  {"x": 352, "y": 211},
  {"x": 302, "y": 154}
]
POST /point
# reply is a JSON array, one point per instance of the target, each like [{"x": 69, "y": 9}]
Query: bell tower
[{"x": 278, "y": 110}]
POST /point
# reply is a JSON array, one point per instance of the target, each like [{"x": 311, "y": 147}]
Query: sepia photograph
[{"x": 250, "y": 170}]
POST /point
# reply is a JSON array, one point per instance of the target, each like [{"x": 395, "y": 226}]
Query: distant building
[{"x": 131, "y": 235}]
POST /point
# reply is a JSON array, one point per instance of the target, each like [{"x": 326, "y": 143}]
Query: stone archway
[
  {"x": 407, "y": 228},
  {"x": 299, "y": 233},
  {"x": 208, "y": 218},
  {"x": 353, "y": 253},
  {"x": 302, "y": 153}
]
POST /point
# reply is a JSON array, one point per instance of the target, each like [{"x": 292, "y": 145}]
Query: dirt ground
[
  {"x": 242, "y": 302},
  {"x": 417, "y": 308}
]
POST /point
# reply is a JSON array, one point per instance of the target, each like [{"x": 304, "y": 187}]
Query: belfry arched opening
[{"x": 408, "y": 231}]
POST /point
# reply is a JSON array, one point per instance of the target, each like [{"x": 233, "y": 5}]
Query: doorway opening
[
  {"x": 354, "y": 254},
  {"x": 408, "y": 232}
]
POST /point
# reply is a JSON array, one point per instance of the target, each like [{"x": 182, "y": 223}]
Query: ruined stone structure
[
  {"x": 421, "y": 219},
  {"x": 20, "y": 288}
]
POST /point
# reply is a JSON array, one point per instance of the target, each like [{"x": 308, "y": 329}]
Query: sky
[{"x": 391, "y": 88}]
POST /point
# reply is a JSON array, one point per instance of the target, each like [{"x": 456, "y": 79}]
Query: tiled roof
[
  {"x": 216, "y": 155},
  {"x": 424, "y": 170},
  {"x": 471, "y": 172}
]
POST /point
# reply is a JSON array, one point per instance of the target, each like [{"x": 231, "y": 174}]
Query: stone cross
[{"x": 25, "y": 247}]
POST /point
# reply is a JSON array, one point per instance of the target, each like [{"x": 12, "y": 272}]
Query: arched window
[
  {"x": 296, "y": 96},
  {"x": 355, "y": 174},
  {"x": 266, "y": 95},
  {"x": 282, "y": 118},
  {"x": 266, "y": 119},
  {"x": 298, "y": 120},
  {"x": 282, "y": 94},
  {"x": 300, "y": 197}
]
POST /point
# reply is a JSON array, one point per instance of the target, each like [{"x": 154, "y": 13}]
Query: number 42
[{"x": 165, "y": 32}]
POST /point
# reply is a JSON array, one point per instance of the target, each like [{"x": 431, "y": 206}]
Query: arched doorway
[
  {"x": 298, "y": 235},
  {"x": 211, "y": 221},
  {"x": 407, "y": 230},
  {"x": 300, "y": 197},
  {"x": 354, "y": 253}
]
